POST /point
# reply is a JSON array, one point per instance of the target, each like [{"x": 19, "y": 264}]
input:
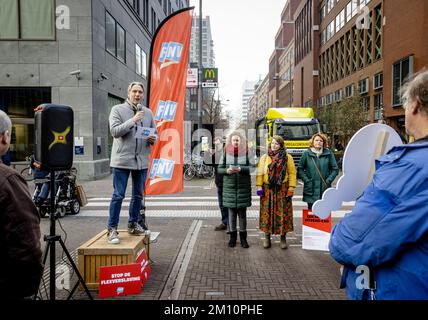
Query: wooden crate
[{"x": 96, "y": 253}]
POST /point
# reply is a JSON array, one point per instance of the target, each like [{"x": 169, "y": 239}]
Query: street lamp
[{"x": 200, "y": 91}]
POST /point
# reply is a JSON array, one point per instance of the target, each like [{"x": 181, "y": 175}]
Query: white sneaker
[{"x": 113, "y": 236}]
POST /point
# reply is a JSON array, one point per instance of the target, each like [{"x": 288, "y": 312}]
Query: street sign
[
  {"x": 192, "y": 78},
  {"x": 209, "y": 77}
]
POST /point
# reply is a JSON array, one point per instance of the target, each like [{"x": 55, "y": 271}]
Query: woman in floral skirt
[{"x": 276, "y": 181}]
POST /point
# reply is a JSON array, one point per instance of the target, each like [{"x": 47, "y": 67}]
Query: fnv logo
[
  {"x": 161, "y": 170},
  {"x": 170, "y": 54},
  {"x": 165, "y": 112}
]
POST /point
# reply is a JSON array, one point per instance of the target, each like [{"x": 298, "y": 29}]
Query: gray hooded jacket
[{"x": 129, "y": 152}]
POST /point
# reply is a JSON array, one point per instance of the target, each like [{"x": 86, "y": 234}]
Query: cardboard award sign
[{"x": 368, "y": 144}]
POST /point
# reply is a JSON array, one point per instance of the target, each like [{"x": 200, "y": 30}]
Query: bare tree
[
  {"x": 213, "y": 112},
  {"x": 343, "y": 118}
]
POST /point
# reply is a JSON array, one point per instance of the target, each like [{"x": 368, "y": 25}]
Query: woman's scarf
[
  {"x": 277, "y": 168},
  {"x": 317, "y": 152}
]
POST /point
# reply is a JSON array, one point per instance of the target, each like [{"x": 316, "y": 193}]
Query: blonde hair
[{"x": 322, "y": 136}]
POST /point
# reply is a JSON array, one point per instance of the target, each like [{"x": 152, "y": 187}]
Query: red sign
[
  {"x": 167, "y": 97},
  {"x": 313, "y": 221},
  {"x": 118, "y": 281},
  {"x": 144, "y": 266}
]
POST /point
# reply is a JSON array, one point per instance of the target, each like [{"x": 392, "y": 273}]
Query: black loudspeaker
[{"x": 54, "y": 137}]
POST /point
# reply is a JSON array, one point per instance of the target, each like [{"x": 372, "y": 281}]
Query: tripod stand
[{"x": 51, "y": 239}]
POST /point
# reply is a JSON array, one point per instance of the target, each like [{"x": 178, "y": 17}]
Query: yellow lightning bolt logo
[{"x": 59, "y": 137}]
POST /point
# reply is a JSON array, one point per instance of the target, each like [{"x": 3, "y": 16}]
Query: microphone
[{"x": 139, "y": 109}]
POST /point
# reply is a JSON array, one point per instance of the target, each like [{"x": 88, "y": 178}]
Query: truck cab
[{"x": 295, "y": 125}]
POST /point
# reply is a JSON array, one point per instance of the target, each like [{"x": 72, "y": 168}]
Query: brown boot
[
  {"x": 266, "y": 241},
  {"x": 283, "y": 243}
]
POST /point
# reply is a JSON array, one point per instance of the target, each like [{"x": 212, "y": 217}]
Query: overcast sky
[{"x": 244, "y": 33}]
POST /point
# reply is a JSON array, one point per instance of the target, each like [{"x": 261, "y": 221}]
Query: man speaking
[{"x": 133, "y": 129}]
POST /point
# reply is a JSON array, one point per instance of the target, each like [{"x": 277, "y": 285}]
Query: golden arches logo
[
  {"x": 60, "y": 137},
  {"x": 210, "y": 74}
]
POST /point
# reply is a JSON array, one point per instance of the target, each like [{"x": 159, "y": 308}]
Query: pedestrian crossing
[{"x": 190, "y": 207}]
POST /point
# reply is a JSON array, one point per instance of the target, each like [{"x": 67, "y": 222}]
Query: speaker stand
[{"x": 51, "y": 239}]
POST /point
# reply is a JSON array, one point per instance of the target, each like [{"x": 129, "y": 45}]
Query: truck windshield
[{"x": 296, "y": 131}]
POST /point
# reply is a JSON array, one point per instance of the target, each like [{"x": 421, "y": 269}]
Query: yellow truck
[{"x": 295, "y": 125}]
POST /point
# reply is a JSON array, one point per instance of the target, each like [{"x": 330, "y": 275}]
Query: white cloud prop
[{"x": 366, "y": 145}]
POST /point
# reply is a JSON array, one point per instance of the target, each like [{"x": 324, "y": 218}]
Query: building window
[
  {"x": 363, "y": 86},
  {"x": 338, "y": 95},
  {"x": 370, "y": 40},
  {"x": 342, "y": 57},
  {"x": 27, "y": 19},
  {"x": 401, "y": 71},
  {"x": 378, "y": 106},
  {"x": 330, "y": 66},
  {"x": 120, "y": 43},
  {"x": 165, "y": 7},
  {"x": 135, "y": 4},
  {"x": 378, "y": 81},
  {"x": 354, "y": 49},
  {"x": 330, "y": 5},
  {"x": 140, "y": 61},
  {"x": 378, "y": 33},
  {"x": 348, "y": 53},
  {"x": 330, "y": 30},
  {"x": 115, "y": 38},
  {"x": 365, "y": 103},
  {"x": 146, "y": 12},
  {"x": 349, "y": 91},
  {"x": 362, "y": 49},
  {"x": 351, "y": 9},
  {"x": 336, "y": 61},
  {"x": 154, "y": 20},
  {"x": 322, "y": 14},
  {"x": 110, "y": 34},
  {"x": 340, "y": 20},
  {"x": 321, "y": 77}
]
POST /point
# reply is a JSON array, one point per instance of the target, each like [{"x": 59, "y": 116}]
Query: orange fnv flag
[{"x": 169, "y": 55}]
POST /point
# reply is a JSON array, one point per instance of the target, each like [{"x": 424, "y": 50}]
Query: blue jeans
[
  {"x": 224, "y": 211},
  {"x": 120, "y": 181}
]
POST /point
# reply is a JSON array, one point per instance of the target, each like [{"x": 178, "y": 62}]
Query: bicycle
[
  {"x": 198, "y": 168},
  {"x": 27, "y": 172}
]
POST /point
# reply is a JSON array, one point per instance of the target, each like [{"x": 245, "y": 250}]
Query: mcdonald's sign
[{"x": 210, "y": 77}]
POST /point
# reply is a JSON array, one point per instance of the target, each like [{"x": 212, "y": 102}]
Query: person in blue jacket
[{"x": 386, "y": 235}]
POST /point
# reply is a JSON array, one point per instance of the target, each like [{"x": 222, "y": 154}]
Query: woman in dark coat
[
  {"x": 317, "y": 169},
  {"x": 235, "y": 167}
]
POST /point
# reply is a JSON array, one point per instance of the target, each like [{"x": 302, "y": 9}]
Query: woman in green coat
[
  {"x": 235, "y": 167},
  {"x": 317, "y": 169}
]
